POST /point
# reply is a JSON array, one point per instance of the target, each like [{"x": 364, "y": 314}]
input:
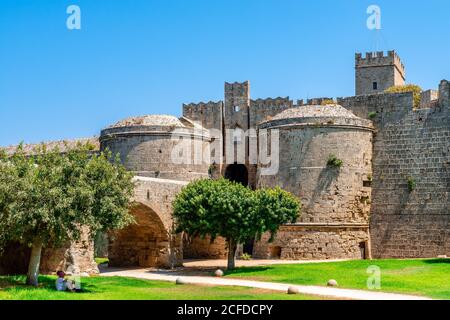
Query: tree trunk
[
  {"x": 231, "y": 254},
  {"x": 33, "y": 266}
]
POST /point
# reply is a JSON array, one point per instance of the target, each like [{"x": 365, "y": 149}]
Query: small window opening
[{"x": 375, "y": 86}]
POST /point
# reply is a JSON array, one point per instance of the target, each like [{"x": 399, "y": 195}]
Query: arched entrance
[
  {"x": 145, "y": 243},
  {"x": 237, "y": 173}
]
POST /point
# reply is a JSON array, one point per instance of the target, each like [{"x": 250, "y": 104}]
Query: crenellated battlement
[
  {"x": 262, "y": 109},
  {"x": 237, "y": 89},
  {"x": 272, "y": 101},
  {"x": 429, "y": 99},
  {"x": 444, "y": 94},
  {"x": 209, "y": 114},
  {"x": 379, "y": 58},
  {"x": 199, "y": 105},
  {"x": 378, "y": 71},
  {"x": 314, "y": 101}
]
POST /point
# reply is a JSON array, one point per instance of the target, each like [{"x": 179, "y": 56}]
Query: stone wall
[
  {"x": 409, "y": 145},
  {"x": 74, "y": 258},
  {"x": 198, "y": 248},
  {"x": 297, "y": 242},
  {"x": 264, "y": 109},
  {"x": 208, "y": 114},
  {"x": 149, "y": 151}
]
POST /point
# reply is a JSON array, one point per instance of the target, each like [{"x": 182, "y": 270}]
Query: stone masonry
[{"x": 389, "y": 198}]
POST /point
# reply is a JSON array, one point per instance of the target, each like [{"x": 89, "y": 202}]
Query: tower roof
[
  {"x": 313, "y": 115},
  {"x": 315, "y": 111},
  {"x": 150, "y": 120}
]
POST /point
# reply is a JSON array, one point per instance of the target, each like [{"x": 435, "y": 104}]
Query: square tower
[
  {"x": 237, "y": 138},
  {"x": 237, "y": 104},
  {"x": 378, "y": 72}
]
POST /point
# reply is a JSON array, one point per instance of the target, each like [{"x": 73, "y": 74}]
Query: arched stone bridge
[{"x": 150, "y": 242}]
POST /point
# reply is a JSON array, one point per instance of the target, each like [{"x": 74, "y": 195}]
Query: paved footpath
[{"x": 335, "y": 293}]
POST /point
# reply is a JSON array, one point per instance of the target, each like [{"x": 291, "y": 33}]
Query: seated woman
[{"x": 63, "y": 284}]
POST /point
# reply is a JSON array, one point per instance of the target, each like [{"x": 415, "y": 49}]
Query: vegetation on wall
[
  {"x": 415, "y": 89},
  {"x": 372, "y": 115},
  {"x": 412, "y": 184},
  {"x": 334, "y": 161},
  {"x": 328, "y": 102}
]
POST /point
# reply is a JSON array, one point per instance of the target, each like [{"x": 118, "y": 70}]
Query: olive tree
[
  {"x": 49, "y": 197},
  {"x": 227, "y": 209}
]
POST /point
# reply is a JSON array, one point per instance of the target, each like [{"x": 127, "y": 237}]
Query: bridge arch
[{"x": 145, "y": 243}]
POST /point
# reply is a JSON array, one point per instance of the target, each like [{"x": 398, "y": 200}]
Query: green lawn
[
  {"x": 428, "y": 277},
  {"x": 117, "y": 288},
  {"x": 101, "y": 260}
]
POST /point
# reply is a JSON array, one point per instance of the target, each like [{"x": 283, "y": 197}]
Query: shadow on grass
[
  {"x": 437, "y": 261},
  {"x": 243, "y": 270}
]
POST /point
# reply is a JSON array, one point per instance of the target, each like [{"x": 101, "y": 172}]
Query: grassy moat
[
  {"x": 118, "y": 288},
  {"x": 423, "y": 277}
]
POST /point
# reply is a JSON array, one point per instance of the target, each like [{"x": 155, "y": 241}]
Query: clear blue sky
[{"x": 150, "y": 56}]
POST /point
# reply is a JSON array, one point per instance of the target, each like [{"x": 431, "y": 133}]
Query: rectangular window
[
  {"x": 375, "y": 86},
  {"x": 367, "y": 183}
]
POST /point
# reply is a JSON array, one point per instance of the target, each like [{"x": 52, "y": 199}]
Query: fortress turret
[
  {"x": 377, "y": 72},
  {"x": 150, "y": 146}
]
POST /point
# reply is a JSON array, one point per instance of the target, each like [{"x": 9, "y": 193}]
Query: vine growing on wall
[{"x": 415, "y": 89}]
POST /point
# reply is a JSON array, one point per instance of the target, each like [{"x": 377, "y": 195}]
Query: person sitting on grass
[{"x": 63, "y": 284}]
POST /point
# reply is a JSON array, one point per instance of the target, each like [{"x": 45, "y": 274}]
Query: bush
[
  {"x": 246, "y": 256},
  {"x": 372, "y": 115},
  {"x": 411, "y": 184},
  {"x": 415, "y": 89},
  {"x": 327, "y": 102},
  {"x": 333, "y": 161}
]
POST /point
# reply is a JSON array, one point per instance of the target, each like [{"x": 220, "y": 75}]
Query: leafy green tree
[
  {"x": 275, "y": 207},
  {"x": 50, "y": 197},
  {"x": 227, "y": 209}
]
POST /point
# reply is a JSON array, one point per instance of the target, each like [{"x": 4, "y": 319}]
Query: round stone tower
[
  {"x": 325, "y": 159},
  {"x": 159, "y": 146}
]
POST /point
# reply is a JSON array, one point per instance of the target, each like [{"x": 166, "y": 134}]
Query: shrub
[
  {"x": 246, "y": 256},
  {"x": 411, "y": 184},
  {"x": 372, "y": 115},
  {"x": 333, "y": 161},
  {"x": 327, "y": 102},
  {"x": 415, "y": 89}
]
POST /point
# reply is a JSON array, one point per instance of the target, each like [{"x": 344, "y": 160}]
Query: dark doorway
[
  {"x": 248, "y": 247},
  {"x": 362, "y": 249},
  {"x": 237, "y": 173}
]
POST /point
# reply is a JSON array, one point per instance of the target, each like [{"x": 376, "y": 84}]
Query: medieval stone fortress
[{"x": 372, "y": 172}]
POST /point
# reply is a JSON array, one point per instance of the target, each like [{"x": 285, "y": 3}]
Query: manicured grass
[
  {"x": 118, "y": 288},
  {"x": 426, "y": 277}
]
